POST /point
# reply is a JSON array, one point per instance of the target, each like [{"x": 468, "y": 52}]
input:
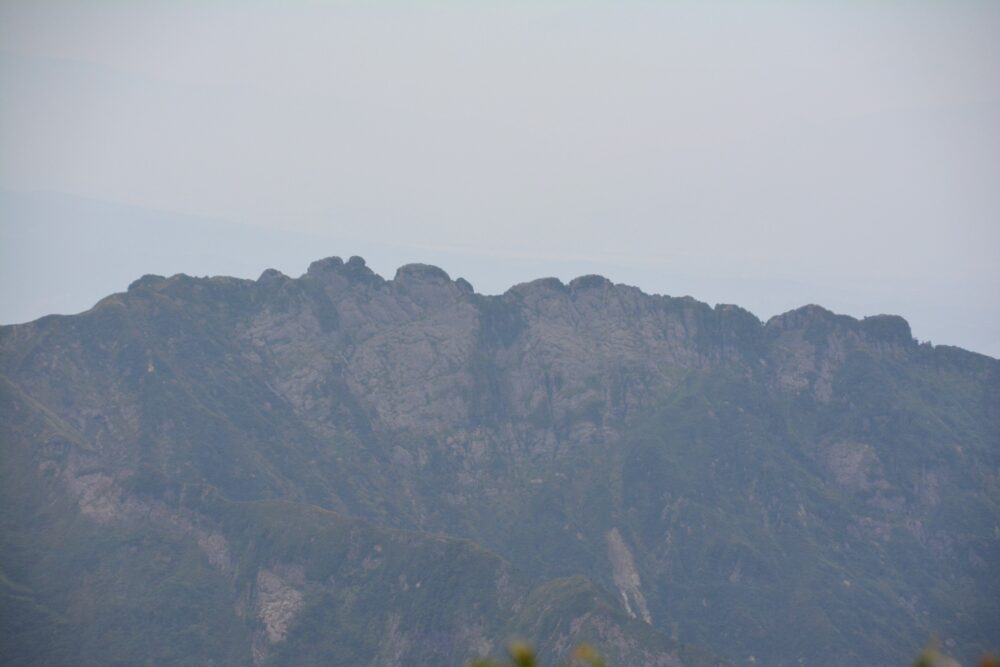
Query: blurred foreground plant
[
  {"x": 931, "y": 657},
  {"x": 522, "y": 655}
]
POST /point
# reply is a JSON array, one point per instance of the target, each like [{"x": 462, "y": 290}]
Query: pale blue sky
[{"x": 766, "y": 154}]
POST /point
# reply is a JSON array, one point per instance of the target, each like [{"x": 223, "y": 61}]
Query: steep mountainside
[{"x": 341, "y": 469}]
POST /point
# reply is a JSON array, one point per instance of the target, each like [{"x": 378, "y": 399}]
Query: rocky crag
[{"x": 343, "y": 469}]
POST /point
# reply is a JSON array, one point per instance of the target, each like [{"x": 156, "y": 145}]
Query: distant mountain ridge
[{"x": 344, "y": 469}]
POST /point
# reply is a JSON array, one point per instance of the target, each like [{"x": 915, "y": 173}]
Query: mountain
[{"x": 343, "y": 469}]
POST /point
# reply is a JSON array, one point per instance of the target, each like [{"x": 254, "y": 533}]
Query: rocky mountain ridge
[{"x": 818, "y": 476}]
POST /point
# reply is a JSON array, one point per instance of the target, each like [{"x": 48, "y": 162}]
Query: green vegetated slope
[
  {"x": 150, "y": 575},
  {"x": 837, "y": 530},
  {"x": 341, "y": 469}
]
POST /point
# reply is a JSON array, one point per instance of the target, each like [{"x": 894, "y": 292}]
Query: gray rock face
[{"x": 411, "y": 350}]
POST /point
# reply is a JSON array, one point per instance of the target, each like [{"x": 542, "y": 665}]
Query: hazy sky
[{"x": 768, "y": 154}]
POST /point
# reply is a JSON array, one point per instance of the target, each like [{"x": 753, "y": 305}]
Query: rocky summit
[{"x": 340, "y": 469}]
